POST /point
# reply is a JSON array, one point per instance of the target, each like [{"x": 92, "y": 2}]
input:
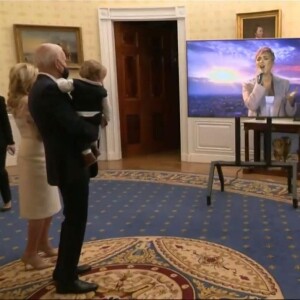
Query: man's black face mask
[{"x": 65, "y": 73}]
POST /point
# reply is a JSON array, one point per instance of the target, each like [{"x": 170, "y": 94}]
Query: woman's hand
[
  {"x": 249, "y": 86},
  {"x": 291, "y": 97},
  {"x": 11, "y": 149}
]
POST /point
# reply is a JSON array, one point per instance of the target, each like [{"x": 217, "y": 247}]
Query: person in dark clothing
[
  {"x": 61, "y": 129},
  {"x": 7, "y": 144}
]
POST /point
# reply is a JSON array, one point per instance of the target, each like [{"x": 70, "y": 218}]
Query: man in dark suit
[
  {"x": 6, "y": 144},
  {"x": 61, "y": 130}
]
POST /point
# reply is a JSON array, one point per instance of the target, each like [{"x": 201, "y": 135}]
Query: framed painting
[
  {"x": 264, "y": 24},
  {"x": 29, "y": 37}
]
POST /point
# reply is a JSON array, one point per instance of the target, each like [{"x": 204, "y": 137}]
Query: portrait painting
[{"x": 268, "y": 21}]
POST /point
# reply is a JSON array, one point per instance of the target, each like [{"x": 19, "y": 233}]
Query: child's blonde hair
[
  {"x": 21, "y": 78},
  {"x": 92, "y": 70}
]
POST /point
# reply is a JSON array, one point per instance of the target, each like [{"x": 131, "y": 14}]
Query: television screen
[{"x": 217, "y": 69}]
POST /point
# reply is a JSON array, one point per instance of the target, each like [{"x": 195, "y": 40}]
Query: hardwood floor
[{"x": 170, "y": 161}]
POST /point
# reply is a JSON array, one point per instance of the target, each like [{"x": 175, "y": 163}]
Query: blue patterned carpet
[{"x": 254, "y": 218}]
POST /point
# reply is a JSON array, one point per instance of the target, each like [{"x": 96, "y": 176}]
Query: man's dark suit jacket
[
  {"x": 61, "y": 129},
  {"x": 6, "y": 137}
]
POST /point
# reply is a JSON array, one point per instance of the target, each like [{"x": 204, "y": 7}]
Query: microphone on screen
[{"x": 259, "y": 78}]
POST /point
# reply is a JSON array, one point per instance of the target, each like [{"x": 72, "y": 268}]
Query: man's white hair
[{"x": 46, "y": 54}]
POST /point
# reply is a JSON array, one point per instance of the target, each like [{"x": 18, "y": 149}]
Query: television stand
[
  {"x": 289, "y": 126},
  {"x": 291, "y": 166}
]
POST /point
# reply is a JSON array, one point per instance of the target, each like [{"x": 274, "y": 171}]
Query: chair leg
[
  {"x": 210, "y": 183},
  {"x": 221, "y": 176},
  {"x": 294, "y": 185},
  {"x": 289, "y": 179}
]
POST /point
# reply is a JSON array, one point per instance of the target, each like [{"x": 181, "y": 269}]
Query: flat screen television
[{"x": 216, "y": 70}]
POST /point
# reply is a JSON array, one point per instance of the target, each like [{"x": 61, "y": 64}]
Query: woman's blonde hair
[
  {"x": 21, "y": 78},
  {"x": 92, "y": 70}
]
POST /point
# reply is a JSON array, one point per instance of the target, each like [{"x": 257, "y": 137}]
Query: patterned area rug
[
  {"x": 152, "y": 268},
  {"x": 151, "y": 236},
  {"x": 263, "y": 189}
]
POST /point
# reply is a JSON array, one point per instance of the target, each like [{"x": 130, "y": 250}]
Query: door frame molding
[{"x": 111, "y": 139}]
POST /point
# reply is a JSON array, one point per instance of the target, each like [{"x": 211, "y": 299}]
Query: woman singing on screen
[{"x": 268, "y": 95}]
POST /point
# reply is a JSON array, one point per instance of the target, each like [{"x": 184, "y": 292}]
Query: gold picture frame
[
  {"x": 270, "y": 21},
  {"x": 29, "y": 37}
]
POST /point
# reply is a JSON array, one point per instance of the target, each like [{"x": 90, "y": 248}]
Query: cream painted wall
[{"x": 205, "y": 19}]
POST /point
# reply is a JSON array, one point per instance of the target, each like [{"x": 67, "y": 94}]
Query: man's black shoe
[
  {"x": 76, "y": 287},
  {"x": 83, "y": 269}
]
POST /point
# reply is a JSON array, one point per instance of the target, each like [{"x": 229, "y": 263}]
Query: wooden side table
[{"x": 259, "y": 128}]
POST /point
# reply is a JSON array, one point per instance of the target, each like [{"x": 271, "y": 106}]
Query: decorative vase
[{"x": 281, "y": 148}]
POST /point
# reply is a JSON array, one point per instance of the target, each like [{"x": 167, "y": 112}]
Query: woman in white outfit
[
  {"x": 38, "y": 200},
  {"x": 268, "y": 95}
]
